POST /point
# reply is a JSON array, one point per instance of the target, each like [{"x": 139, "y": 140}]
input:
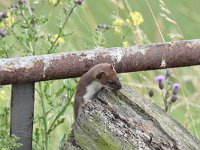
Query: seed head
[{"x": 79, "y": 2}]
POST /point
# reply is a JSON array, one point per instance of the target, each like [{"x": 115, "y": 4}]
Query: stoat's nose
[{"x": 117, "y": 86}]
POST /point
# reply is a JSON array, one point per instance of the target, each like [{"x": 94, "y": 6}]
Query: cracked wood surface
[{"x": 126, "y": 120}]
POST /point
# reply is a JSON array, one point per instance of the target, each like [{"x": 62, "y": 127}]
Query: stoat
[{"x": 101, "y": 75}]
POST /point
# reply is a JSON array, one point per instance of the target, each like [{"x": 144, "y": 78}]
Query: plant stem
[
  {"x": 29, "y": 8},
  {"x": 61, "y": 29},
  {"x": 30, "y": 13},
  {"x": 165, "y": 102},
  {"x": 26, "y": 21},
  {"x": 19, "y": 39},
  {"x": 126, "y": 33},
  {"x": 29, "y": 26},
  {"x": 59, "y": 114},
  {"x": 44, "y": 118}
]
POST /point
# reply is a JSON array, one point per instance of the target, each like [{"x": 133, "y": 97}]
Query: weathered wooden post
[{"x": 126, "y": 120}]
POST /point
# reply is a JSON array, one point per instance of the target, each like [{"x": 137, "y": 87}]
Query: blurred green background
[{"x": 176, "y": 19}]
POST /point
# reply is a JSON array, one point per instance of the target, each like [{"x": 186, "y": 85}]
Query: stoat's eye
[
  {"x": 114, "y": 84},
  {"x": 111, "y": 82}
]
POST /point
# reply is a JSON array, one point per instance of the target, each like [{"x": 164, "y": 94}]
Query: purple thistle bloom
[
  {"x": 176, "y": 88},
  {"x": 160, "y": 79}
]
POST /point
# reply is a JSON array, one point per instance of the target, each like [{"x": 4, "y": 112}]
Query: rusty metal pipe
[{"x": 74, "y": 64}]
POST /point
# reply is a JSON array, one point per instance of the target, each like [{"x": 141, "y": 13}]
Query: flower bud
[
  {"x": 79, "y": 2},
  {"x": 176, "y": 88},
  {"x": 161, "y": 85},
  {"x": 151, "y": 93},
  {"x": 160, "y": 80},
  {"x": 102, "y": 27},
  {"x": 174, "y": 98}
]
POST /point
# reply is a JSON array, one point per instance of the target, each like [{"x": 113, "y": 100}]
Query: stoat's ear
[
  {"x": 112, "y": 66},
  {"x": 100, "y": 74}
]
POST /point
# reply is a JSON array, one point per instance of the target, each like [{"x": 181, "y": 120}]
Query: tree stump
[{"x": 126, "y": 120}]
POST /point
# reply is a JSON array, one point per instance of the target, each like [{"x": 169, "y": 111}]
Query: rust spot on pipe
[{"x": 126, "y": 59}]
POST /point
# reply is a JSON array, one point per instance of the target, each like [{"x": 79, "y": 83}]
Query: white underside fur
[{"x": 92, "y": 89}]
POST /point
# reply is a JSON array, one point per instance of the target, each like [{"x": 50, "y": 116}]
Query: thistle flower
[
  {"x": 79, "y": 2},
  {"x": 160, "y": 79},
  {"x": 175, "y": 88}
]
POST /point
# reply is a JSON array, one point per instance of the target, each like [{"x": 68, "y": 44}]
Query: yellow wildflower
[
  {"x": 117, "y": 30},
  {"x": 118, "y": 22},
  {"x": 125, "y": 43},
  {"x": 2, "y": 94},
  {"x": 2, "y": 25},
  {"x": 60, "y": 39},
  {"x": 53, "y": 2},
  {"x": 135, "y": 18},
  {"x": 8, "y": 22}
]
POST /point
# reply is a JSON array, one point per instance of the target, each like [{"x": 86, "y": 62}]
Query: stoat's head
[{"x": 107, "y": 76}]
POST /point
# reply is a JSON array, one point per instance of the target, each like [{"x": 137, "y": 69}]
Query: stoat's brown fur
[{"x": 101, "y": 75}]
